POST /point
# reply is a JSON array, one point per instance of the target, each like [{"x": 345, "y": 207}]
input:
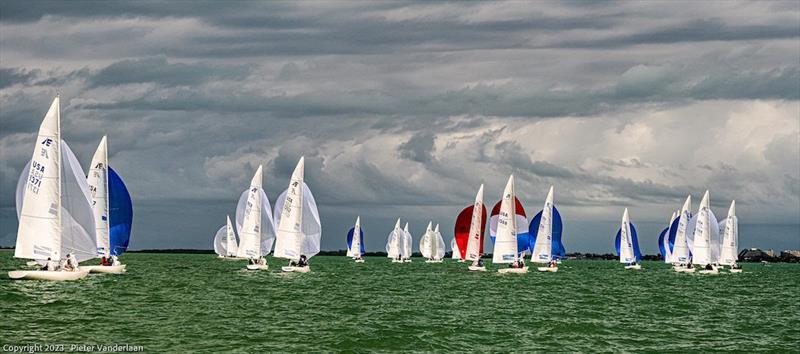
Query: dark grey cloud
[
  {"x": 158, "y": 70},
  {"x": 418, "y": 148}
]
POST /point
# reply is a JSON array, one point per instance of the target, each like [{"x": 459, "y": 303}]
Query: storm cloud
[{"x": 402, "y": 109}]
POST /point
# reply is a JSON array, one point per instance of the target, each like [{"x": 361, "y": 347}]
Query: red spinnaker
[{"x": 463, "y": 222}]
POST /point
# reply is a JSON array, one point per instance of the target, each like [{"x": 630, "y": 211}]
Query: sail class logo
[{"x": 47, "y": 142}]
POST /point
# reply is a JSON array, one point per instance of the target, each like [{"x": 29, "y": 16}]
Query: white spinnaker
[
  {"x": 394, "y": 240},
  {"x": 39, "y": 231},
  {"x": 77, "y": 218},
  {"x": 705, "y": 248},
  {"x": 626, "y": 254},
  {"x": 667, "y": 250},
  {"x": 290, "y": 238},
  {"x": 475, "y": 228},
  {"x": 220, "y": 242},
  {"x": 267, "y": 223},
  {"x": 680, "y": 248},
  {"x": 426, "y": 244},
  {"x": 310, "y": 227},
  {"x": 454, "y": 247},
  {"x": 406, "y": 249},
  {"x": 730, "y": 237},
  {"x": 505, "y": 244},
  {"x": 231, "y": 247},
  {"x": 98, "y": 187},
  {"x": 438, "y": 245},
  {"x": 355, "y": 245},
  {"x": 544, "y": 235},
  {"x": 250, "y": 229}
]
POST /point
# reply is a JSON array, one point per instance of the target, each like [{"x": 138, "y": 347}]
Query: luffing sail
[
  {"x": 505, "y": 245},
  {"x": 111, "y": 204},
  {"x": 705, "y": 241},
  {"x": 627, "y": 241},
  {"x": 545, "y": 229},
  {"x": 469, "y": 229},
  {"x": 254, "y": 221},
  {"x": 296, "y": 214},
  {"x": 54, "y": 204},
  {"x": 355, "y": 240},
  {"x": 729, "y": 228}
]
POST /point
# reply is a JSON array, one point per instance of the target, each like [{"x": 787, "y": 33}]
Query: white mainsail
[
  {"x": 251, "y": 226},
  {"x": 705, "y": 248},
  {"x": 426, "y": 242},
  {"x": 354, "y": 250},
  {"x": 475, "y": 228},
  {"x": 626, "y": 254},
  {"x": 297, "y": 216},
  {"x": 544, "y": 236},
  {"x": 437, "y": 245},
  {"x": 680, "y": 249},
  {"x": 53, "y": 200},
  {"x": 730, "y": 237},
  {"x": 394, "y": 241},
  {"x": 98, "y": 186},
  {"x": 406, "y": 249},
  {"x": 505, "y": 244}
]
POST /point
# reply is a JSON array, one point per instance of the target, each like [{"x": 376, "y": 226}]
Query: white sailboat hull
[
  {"x": 290, "y": 269},
  {"x": 714, "y": 270},
  {"x": 736, "y": 270},
  {"x": 513, "y": 270},
  {"x": 117, "y": 269},
  {"x": 47, "y": 275},
  {"x": 257, "y": 266},
  {"x": 232, "y": 258},
  {"x": 547, "y": 269},
  {"x": 634, "y": 267},
  {"x": 476, "y": 268},
  {"x": 359, "y": 261},
  {"x": 683, "y": 269},
  {"x": 433, "y": 261},
  {"x": 396, "y": 261}
]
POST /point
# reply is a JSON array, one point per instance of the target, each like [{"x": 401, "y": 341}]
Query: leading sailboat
[
  {"x": 627, "y": 244},
  {"x": 505, "y": 244},
  {"x": 113, "y": 211},
  {"x": 299, "y": 227},
  {"x": 705, "y": 241},
  {"x": 54, "y": 208}
]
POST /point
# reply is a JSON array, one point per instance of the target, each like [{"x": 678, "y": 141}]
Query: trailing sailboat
[
  {"x": 627, "y": 244},
  {"x": 225, "y": 245},
  {"x": 469, "y": 232},
  {"x": 394, "y": 243},
  {"x": 455, "y": 253},
  {"x": 355, "y": 242},
  {"x": 299, "y": 228},
  {"x": 664, "y": 243},
  {"x": 405, "y": 248},
  {"x": 254, "y": 224},
  {"x": 545, "y": 228},
  {"x": 505, "y": 245},
  {"x": 113, "y": 211},
  {"x": 729, "y": 228},
  {"x": 54, "y": 207},
  {"x": 431, "y": 245}
]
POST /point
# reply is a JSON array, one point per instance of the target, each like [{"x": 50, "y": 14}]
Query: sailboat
[
  {"x": 355, "y": 242},
  {"x": 546, "y": 229},
  {"x": 664, "y": 244},
  {"x": 54, "y": 206},
  {"x": 469, "y": 232},
  {"x": 406, "y": 247},
  {"x": 113, "y": 211},
  {"x": 254, "y": 224},
  {"x": 299, "y": 227},
  {"x": 426, "y": 243},
  {"x": 455, "y": 252},
  {"x": 705, "y": 239},
  {"x": 505, "y": 244},
  {"x": 627, "y": 244},
  {"x": 681, "y": 257},
  {"x": 729, "y": 228},
  {"x": 394, "y": 243},
  {"x": 225, "y": 245}
]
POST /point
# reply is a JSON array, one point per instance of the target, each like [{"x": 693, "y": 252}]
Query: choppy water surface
[{"x": 200, "y": 303}]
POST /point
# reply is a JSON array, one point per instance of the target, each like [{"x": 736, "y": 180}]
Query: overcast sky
[{"x": 404, "y": 109}]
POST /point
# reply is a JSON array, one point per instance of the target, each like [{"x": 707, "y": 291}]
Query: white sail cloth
[
  {"x": 220, "y": 241},
  {"x": 267, "y": 225},
  {"x": 311, "y": 226},
  {"x": 77, "y": 231}
]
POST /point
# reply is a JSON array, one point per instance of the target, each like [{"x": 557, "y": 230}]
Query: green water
[{"x": 181, "y": 303}]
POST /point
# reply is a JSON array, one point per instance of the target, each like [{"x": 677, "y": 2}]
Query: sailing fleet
[{"x": 67, "y": 217}]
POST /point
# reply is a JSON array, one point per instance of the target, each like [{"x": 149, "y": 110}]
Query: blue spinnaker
[
  {"x": 350, "y": 239},
  {"x": 661, "y": 247},
  {"x": 120, "y": 211},
  {"x": 557, "y": 250},
  {"x": 634, "y": 242}
]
